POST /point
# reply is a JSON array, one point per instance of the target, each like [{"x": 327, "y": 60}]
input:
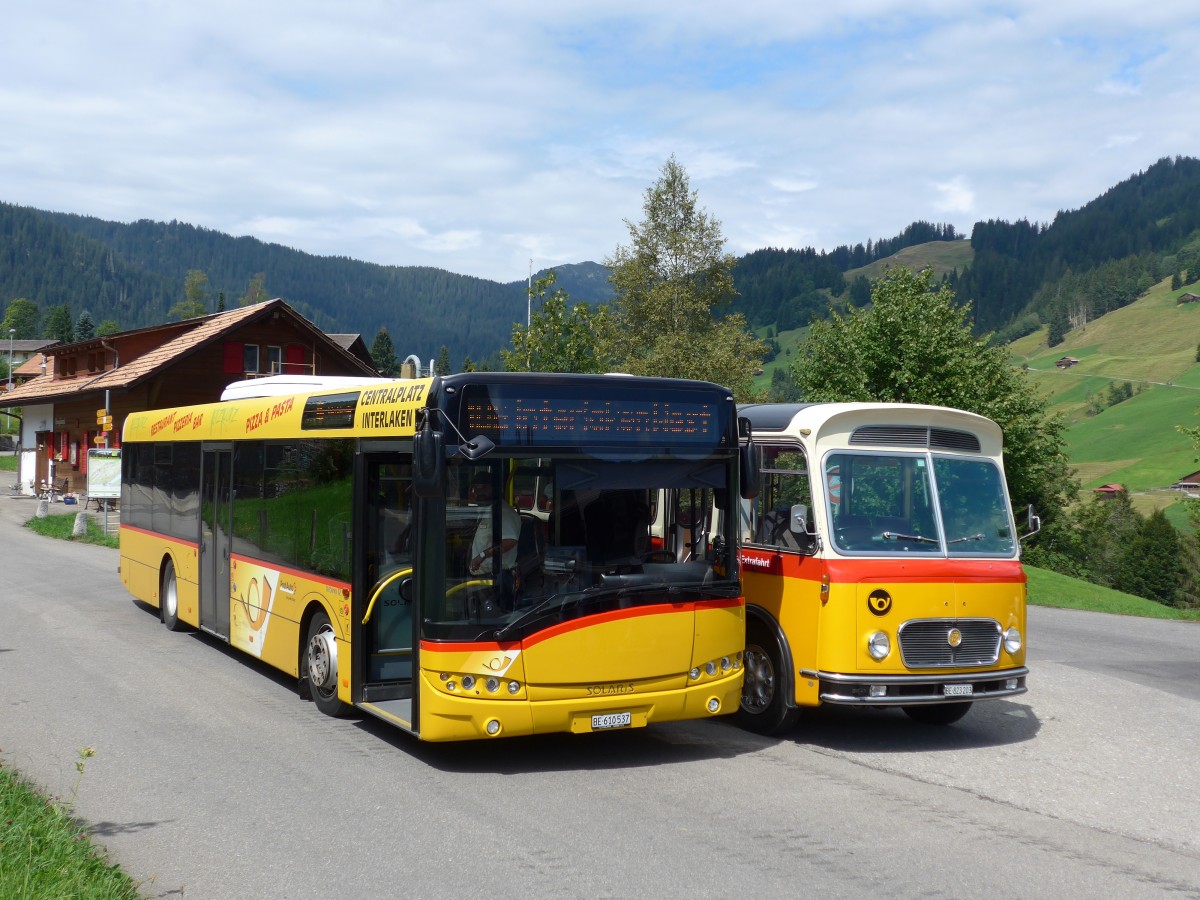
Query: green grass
[
  {"x": 943, "y": 256},
  {"x": 1048, "y": 588},
  {"x": 8, "y": 463},
  {"x": 63, "y": 525},
  {"x": 45, "y": 854}
]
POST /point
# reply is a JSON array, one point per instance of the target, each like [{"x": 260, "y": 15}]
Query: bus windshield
[
  {"x": 917, "y": 504},
  {"x": 530, "y": 543}
]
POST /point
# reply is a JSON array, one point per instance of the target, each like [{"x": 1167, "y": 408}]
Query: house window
[
  {"x": 274, "y": 360},
  {"x": 250, "y": 358}
]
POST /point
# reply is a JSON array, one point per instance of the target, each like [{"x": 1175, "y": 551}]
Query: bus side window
[{"x": 784, "y": 486}]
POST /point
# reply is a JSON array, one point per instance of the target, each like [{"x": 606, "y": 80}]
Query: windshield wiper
[
  {"x": 533, "y": 611},
  {"x": 919, "y": 538},
  {"x": 969, "y": 537}
]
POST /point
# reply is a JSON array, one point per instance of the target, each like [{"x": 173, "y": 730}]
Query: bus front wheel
[
  {"x": 764, "y": 708},
  {"x": 168, "y": 598},
  {"x": 320, "y": 665},
  {"x": 938, "y": 713}
]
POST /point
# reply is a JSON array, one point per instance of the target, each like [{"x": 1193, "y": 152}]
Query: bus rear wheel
[
  {"x": 764, "y": 708},
  {"x": 938, "y": 713},
  {"x": 168, "y": 598},
  {"x": 319, "y": 665}
]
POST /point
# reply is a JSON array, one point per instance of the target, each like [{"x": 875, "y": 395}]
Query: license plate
[
  {"x": 612, "y": 720},
  {"x": 958, "y": 690}
]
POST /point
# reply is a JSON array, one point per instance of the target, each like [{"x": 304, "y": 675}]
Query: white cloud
[{"x": 473, "y": 140}]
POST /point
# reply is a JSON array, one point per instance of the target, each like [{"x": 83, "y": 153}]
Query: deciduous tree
[
  {"x": 559, "y": 337},
  {"x": 914, "y": 345},
  {"x": 23, "y": 316},
  {"x": 671, "y": 283},
  {"x": 195, "y": 296}
]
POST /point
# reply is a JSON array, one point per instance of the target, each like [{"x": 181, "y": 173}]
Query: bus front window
[
  {"x": 974, "y": 509},
  {"x": 880, "y": 504},
  {"x": 607, "y": 535}
]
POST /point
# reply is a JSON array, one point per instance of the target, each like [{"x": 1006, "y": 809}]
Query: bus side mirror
[
  {"x": 429, "y": 462},
  {"x": 1034, "y": 523},
  {"x": 799, "y": 520},
  {"x": 747, "y": 461}
]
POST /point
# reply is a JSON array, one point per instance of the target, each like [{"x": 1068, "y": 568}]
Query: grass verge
[
  {"x": 47, "y": 854},
  {"x": 63, "y": 526},
  {"x": 1048, "y": 588}
]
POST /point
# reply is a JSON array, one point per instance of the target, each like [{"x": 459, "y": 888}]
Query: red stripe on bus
[{"x": 586, "y": 622}]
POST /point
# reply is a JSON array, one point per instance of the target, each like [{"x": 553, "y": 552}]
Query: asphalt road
[{"x": 211, "y": 779}]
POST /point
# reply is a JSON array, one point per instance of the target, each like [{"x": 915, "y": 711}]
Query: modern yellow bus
[
  {"x": 365, "y": 538},
  {"x": 880, "y": 563}
]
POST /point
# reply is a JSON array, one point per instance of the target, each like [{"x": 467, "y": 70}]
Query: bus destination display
[{"x": 581, "y": 421}]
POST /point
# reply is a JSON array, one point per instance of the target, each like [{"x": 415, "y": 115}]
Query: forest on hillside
[{"x": 1022, "y": 275}]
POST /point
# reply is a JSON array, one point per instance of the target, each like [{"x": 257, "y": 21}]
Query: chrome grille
[{"x": 923, "y": 643}]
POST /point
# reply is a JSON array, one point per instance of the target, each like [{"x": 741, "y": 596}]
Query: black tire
[
  {"x": 318, "y": 665},
  {"x": 765, "y": 708},
  {"x": 938, "y": 713},
  {"x": 168, "y": 598}
]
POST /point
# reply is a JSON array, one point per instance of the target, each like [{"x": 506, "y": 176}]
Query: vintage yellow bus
[
  {"x": 365, "y": 538},
  {"x": 880, "y": 563}
]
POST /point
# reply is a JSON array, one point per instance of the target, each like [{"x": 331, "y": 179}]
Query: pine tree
[
  {"x": 85, "y": 328},
  {"x": 383, "y": 355},
  {"x": 442, "y": 365},
  {"x": 1151, "y": 566}
]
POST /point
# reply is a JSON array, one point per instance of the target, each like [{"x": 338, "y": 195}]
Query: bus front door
[
  {"x": 215, "y": 533},
  {"x": 384, "y": 582}
]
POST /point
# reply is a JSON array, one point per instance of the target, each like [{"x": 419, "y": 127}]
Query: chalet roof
[
  {"x": 1110, "y": 489},
  {"x": 203, "y": 330},
  {"x": 30, "y": 345}
]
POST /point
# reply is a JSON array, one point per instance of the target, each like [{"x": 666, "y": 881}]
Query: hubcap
[
  {"x": 322, "y": 659},
  {"x": 170, "y": 598},
  {"x": 758, "y": 686}
]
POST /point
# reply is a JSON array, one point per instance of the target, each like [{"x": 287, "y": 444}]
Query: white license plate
[
  {"x": 958, "y": 690},
  {"x": 612, "y": 720}
]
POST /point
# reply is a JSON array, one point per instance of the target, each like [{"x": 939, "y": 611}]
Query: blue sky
[{"x": 480, "y": 137}]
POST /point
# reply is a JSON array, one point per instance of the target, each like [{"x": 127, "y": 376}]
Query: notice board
[{"x": 104, "y": 474}]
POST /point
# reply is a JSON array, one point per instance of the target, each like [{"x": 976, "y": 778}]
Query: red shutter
[
  {"x": 293, "y": 359},
  {"x": 233, "y": 358},
  {"x": 83, "y": 452}
]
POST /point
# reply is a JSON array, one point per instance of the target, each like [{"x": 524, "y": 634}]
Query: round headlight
[
  {"x": 710, "y": 667},
  {"x": 695, "y": 673},
  {"x": 468, "y": 682},
  {"x": 878, "y": 645},
  {"x": 514, "y": 687},
  {"x": 492, "y": 684},
  {"x": 725, "y": 663},
  {"x": 1012, "y": 640}
]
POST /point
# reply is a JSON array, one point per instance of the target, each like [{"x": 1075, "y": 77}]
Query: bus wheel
[
  {"x": 764, "y": 708},
  {"x": 320, "y": 665},
  {"x": 938, "y": 713},
  {"x": 168, "y": 598}
]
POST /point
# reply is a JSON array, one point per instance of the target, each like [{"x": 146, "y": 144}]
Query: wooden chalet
[
  {"x": 68, "y": 386},
  {"x": 1109, "y": 490}
]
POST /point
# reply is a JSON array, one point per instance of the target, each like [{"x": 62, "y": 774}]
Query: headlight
[
  {"x": 1012, "y": 640},
  {"x": 878, "y": 645}
]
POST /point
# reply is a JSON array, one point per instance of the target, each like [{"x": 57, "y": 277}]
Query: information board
[{"x": 104, "y": 474}]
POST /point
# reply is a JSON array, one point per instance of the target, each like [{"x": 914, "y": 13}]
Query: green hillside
[
  {"x": 944, "y": 256},
  {"x": 1152, "y": 344}
]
